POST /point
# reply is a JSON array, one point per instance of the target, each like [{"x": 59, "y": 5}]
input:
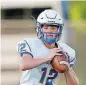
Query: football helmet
[{"x": 52, "y": 18}]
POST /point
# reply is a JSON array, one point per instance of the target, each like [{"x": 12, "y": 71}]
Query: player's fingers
[
  {"x": 58, "y": 51},
  {"x": 58, "y": 54}
]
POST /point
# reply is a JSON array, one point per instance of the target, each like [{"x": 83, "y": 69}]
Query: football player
[{"x": 36, "y": 53}]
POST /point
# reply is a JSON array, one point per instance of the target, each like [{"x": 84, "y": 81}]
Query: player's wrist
[
  {"x": 48, "y": 58},
  {"x": 67, "y": 71}
]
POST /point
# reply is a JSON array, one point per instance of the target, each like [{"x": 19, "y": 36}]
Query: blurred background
[{"x": 17, "y": 24}]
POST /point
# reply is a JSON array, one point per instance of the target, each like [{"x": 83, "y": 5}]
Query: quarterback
[{"x": 37, "y": 53}]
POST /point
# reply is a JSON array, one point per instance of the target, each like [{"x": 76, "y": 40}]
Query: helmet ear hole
[{"x": 59, "y": 19}]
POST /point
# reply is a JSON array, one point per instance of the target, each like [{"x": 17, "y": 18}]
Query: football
[{"x": 60, "y": 63}]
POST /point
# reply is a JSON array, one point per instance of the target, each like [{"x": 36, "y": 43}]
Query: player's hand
[{"x": 54, "y": 52}]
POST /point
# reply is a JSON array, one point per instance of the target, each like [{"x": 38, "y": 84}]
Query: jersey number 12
[{"x": 50, "y": 76}]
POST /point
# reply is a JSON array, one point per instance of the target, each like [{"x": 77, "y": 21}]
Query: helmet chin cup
[{"x": 49, "y": 40}]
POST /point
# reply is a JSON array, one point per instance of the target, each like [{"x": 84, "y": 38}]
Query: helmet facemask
[{"x": 44, "y": 35}]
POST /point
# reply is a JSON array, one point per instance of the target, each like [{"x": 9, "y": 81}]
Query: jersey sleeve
[
  {"x": 24, "y": 48},
  {"x": 72, "y": 57},
  {"x": 70, "y": 52}
]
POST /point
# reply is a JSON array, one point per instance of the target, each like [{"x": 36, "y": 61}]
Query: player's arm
[
  {"x": 28, "y": 62},
  {"x": 27, "y": 59},
  {"x": 71, "y": 77}
]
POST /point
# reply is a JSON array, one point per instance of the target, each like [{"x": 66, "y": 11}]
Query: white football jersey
[{"x": 43, "y": 74}]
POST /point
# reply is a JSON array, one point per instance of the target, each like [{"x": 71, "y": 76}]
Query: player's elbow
[{"x": 23, "y": 67}]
